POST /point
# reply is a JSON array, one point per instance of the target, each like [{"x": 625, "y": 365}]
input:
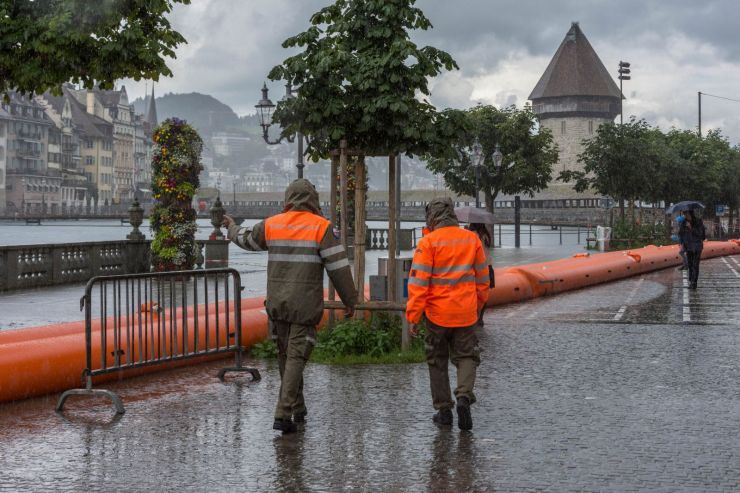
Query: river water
[{"x": 33, "y": 307}]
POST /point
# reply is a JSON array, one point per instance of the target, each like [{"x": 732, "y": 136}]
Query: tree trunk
[{"x": 621, "y": 209}]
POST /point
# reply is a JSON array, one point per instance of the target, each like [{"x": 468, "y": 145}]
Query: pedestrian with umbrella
[
  {"x": 691, "y": 235},
  {"x": 479, "y": 221}
]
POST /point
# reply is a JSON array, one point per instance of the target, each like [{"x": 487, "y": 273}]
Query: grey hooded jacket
[{"x": 295, "y": 267}]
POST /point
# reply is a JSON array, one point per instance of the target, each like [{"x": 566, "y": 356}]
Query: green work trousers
[
  {"x": 460, "y": 346},
  {"x": 295, "y": 343}
]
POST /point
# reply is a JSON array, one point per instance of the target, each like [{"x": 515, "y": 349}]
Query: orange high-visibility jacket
[{"x": 449, "y": 278}]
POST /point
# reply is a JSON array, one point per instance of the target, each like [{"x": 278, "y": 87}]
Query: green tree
[
  {"x": 359, "y": 76},
  {"x": 620, "y": 161},
  {"x": 528, "y": 155},
  {"x": 49, "y": 42}
]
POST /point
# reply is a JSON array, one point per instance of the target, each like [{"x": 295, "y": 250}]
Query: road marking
[
  {"x": 686, "y": 307},
  {"x": 737, "y": 274},
  {"x": 735, "y": 260},
  {"x": 623, "y": 308}
]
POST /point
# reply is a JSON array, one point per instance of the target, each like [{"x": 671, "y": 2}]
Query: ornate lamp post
[
  {"x": 265, "y": 108},
  {"x": 498, "y": 158},
  {"x": 476, "y": 160}
]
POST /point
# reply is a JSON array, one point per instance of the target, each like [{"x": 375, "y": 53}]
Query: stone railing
[
  {"x": 34, "y": 266},
  {"x": 31, "y": 266},
  {"x": 377, "y": 239}
]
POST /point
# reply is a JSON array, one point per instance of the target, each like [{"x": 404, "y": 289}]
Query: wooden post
[
  {"x": 392, "y": 296},
  {"x": 343, "y": 191},
  {"x": 360, "y": 228},
  {"x": 333, "y": 219}
]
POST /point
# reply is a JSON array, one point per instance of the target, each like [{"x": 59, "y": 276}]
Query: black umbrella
[
  {"x": 686, "y": 205},
  {"x": 473, "y": 215}
]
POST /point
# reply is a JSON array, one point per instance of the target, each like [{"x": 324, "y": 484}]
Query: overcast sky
[{"x": 676, "y": 47}]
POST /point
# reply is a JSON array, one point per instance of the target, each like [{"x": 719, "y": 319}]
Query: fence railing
[{"x": 159, "y": 318}]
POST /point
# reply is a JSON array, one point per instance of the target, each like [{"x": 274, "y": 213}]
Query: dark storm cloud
[{"x": 677, "y": 47}]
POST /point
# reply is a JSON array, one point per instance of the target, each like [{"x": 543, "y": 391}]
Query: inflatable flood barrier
[{"x": 41, "y": 360}]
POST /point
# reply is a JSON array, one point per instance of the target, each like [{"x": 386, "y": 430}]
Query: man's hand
[
  {"x": 349, "y": 312},
  {"x": 413, "y": 329},
  {"x": 228, "y": 221}
]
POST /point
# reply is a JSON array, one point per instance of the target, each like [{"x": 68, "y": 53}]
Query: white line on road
[
  {"x": 623, "y": 308},
  {"x": 686, "y": 308},
  {"x": 737, "y": 274}
]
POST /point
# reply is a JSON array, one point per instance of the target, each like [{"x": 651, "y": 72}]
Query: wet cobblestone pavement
[{"x": 630, "y": 386}]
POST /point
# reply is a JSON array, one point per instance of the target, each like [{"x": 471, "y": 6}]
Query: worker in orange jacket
[{"x": 449, "y": 285}]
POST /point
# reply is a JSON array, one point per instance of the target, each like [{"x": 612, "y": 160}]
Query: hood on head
[
  {"x": 301, "y": 195},
  {"x": 440, "y": 212}
]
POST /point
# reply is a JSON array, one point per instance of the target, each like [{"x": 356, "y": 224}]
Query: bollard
[{"x": 517, "y": 220}]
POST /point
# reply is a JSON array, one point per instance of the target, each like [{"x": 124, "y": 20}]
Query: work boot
[
  {"x": 464, "y": 418},
  {"x": 443, "y": 417},
  {"x": 284, "y": 425},
  {"x": 300, "y": 418}
]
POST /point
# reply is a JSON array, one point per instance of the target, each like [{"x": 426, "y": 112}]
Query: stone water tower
[{"x": 573, "y": 97}]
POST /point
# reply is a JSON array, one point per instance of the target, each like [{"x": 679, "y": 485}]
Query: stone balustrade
[{"x": 34, "y": 266}]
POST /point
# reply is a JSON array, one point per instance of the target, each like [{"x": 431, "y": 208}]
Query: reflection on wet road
[{"x": 607, "y": 388}]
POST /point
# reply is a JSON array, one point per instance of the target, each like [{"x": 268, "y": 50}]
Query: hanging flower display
[{"x": 175, "y": 169}]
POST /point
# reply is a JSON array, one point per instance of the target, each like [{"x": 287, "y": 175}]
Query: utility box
[{"x": 403, "y": 268}]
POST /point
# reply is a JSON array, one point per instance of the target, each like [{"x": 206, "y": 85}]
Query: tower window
[
  {"x": 590, "y": 126},
  {"x": 562, "y": 127}
]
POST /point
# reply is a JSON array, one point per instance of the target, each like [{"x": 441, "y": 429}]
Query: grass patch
[{"x": 358, "y": 342}]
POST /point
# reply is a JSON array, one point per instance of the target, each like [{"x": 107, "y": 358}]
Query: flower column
[{"x": 175, "y": 169}]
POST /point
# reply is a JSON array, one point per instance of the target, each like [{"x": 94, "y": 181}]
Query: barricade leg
[
  {"x": 254, "y": 372},
  {"x": 88, "y": 391}
]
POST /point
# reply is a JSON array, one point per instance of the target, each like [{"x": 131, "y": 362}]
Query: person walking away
[
  {"x": 448, "y": 285},
  {"x": 301, "y": 244},
  {"x": 692, "y": 235},
  {"x": 684, "y": 260}
]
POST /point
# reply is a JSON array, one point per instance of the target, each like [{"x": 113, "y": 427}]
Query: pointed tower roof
[
  {"x": 151, "y": 112},
  {"x": 575, "y": 70}
]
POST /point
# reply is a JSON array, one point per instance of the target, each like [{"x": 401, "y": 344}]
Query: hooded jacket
[
  {"x": 301, "y": 244},
  {"x": 449, "y": 280}
]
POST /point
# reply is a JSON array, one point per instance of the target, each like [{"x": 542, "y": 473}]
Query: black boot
[
  {"x": 300, "y": 418},
  {"x": 464, "y": 418},
  {"x": 443, "y": 417},
  {"x": 284, "y": 425}
]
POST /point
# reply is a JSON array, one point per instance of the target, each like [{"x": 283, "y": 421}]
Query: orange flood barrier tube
[{"x": 42, "y": 360}]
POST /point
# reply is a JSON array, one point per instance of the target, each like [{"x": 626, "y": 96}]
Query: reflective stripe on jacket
[
  {"x": 300, "y": 245},
  {"x": 449, "y": 278}
]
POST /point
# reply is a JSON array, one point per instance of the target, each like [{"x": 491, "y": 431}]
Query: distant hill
[{"x": 204, "y": 112}]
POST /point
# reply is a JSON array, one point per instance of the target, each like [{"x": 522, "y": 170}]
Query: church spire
[{"x": 151, "y": 113}]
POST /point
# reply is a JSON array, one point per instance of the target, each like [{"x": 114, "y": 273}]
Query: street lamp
[
  {"x": 265, "y": 108},
  {"x": 477, "y": 161},
  {"x": 498, "y": 158}
]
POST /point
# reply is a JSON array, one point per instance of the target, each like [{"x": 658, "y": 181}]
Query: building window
[
  {"x": 562, "y": 127},
  {"x": 89, "y": 144},
  {"x": 590, "y": 127}
]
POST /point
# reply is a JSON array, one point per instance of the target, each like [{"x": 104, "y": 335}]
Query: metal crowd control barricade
[{"x": 157, "y": 318}]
